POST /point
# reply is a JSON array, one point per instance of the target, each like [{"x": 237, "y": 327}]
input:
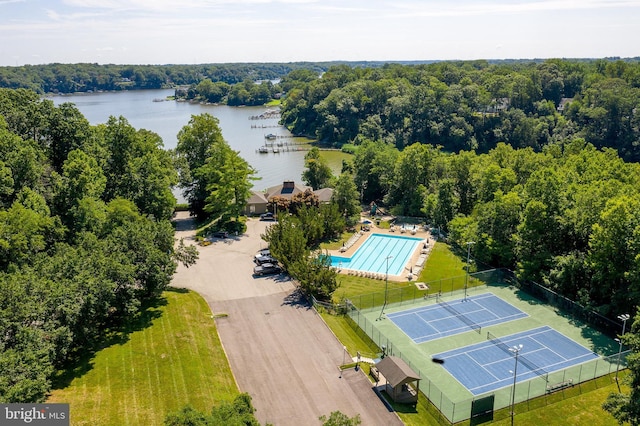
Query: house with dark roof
[
  {"x": 564, "y": 102},
  {"x": 259, "y": 201}
]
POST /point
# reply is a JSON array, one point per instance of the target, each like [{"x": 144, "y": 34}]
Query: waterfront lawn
[{"x": 169, "y": 358}]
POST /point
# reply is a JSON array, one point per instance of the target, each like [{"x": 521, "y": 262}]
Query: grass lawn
[
  {"x": 441, "y": 265},
  {"x": 580, "y": 406},
  {"x": 171, "y": 357},
  {"x": 334, "y": 159}
]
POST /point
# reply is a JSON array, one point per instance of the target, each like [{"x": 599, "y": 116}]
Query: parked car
[
  {"x": 263, "y": 252},
  {"x": 267, "y": 216},
  {"x": 267, "y": 269},
  {"x": 221, "y": 234},
  {"x": 260, "y": 260}
]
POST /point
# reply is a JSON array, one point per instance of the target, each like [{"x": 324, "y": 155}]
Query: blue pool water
[{"x": 372, "y": 254}]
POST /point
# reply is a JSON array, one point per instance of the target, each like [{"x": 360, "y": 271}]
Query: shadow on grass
[
  {"x": 82, "y": 362},
  {"x": 396, "y": 406},
  {"x": 177, "y": 290}
]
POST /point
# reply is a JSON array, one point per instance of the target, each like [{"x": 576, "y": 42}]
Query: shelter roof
[{"x": 396, "y": 371}]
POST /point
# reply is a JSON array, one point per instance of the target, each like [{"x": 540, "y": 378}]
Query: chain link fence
[{"x": 537, "y": 390}]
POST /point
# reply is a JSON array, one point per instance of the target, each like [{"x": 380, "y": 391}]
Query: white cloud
[
  {"x": 169, "y": 5},
  {"x": 453, "y": 9},
  {"x": 171, "y": 31}
]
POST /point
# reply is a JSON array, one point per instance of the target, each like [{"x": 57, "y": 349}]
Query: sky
[{"x": 217, "y": 31}]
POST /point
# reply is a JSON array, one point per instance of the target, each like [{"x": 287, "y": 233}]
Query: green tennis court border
[{"x": 448, "y": 395}]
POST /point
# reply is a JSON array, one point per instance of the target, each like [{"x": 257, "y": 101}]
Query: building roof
[
  {"x": 287, "y": 190},
  {"x": 257, "y": 198},
  {"x": 324, "y": 194},
  {"x": 563, "y": 103},
  {"x": 396, "y": 371}
]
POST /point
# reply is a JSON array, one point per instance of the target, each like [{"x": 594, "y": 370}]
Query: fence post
[{"x": 580, "y": 375}]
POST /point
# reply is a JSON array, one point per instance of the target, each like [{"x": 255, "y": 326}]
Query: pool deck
[{"x": 413, "y": 260}]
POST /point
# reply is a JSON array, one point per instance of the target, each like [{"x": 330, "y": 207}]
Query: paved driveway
[{"x": 280, "y": 350}]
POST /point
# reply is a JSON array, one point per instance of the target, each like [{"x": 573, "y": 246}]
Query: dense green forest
[
  {"x": 536, "y": 162},
  {"x": 472, "y": 105},
  {"x": 567, "y": 217},
  {"x": 247, "y": 92},
  {"x": 85, "y": 235},
  {"x": 70, "y": 78}
]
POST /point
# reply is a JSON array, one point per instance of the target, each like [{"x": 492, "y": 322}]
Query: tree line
[
  {"x": 87, "y": 77},
  {"x": 92, "y": 77},
  {"x": 85, "y": 235},
  {"x": 566, "y": 217},
  {"x": 247, "y": 92},
  {"x": 472, "y": 105}
]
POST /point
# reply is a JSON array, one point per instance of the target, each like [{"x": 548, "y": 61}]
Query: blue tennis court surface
[
  {"x": 372, "y": 255},
  {"x": 457, "y": 316},
  {"x": 485, "y": 367}
]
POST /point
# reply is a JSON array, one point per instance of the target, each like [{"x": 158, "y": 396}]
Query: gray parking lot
[{"x": 280, "y": 350}]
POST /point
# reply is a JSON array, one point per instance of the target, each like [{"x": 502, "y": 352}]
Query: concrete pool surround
[{"x": 381, "y": 253}]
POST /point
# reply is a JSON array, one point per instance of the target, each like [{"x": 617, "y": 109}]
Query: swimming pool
[{"x": 372, "y": 254}]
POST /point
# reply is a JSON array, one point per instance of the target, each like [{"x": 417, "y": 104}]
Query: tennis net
[
  {"x": 475, "y": 327},
  {"x": 530, "y": 365}
]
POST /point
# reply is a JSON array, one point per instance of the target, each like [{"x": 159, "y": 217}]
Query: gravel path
[{"x": 280, "y": 350}]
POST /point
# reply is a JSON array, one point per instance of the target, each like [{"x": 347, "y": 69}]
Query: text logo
[{"x": 34, "y": 414}]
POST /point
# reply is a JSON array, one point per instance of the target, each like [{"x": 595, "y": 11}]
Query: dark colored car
[
  {"x": 267, "y": 269},
  {"x": 221, "y": 234},
  {"x": 267, "y": 216},
  {"x": 261, "y": 260}
]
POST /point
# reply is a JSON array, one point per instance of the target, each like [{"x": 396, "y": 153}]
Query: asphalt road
[{"x": 280, "y": 350}]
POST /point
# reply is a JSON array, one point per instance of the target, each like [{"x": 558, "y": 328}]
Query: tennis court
[
  {"x": 456, "y": 316},
  {"x": 488, "y": 366}
]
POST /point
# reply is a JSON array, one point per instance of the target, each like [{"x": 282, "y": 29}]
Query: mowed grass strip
[{"x": 177, "y": 359}]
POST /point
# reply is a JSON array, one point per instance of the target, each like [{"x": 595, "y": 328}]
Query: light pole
[
  {"x": 516, "y": 350},
  {"x": 344, "y": 353},
  {"x": 386, "y": 285},
  {"x": 466, "y": 278},
  {"x": 624, "y": 318}
]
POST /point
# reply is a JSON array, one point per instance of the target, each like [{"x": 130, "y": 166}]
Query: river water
[{"x": 143, "y": 110}]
